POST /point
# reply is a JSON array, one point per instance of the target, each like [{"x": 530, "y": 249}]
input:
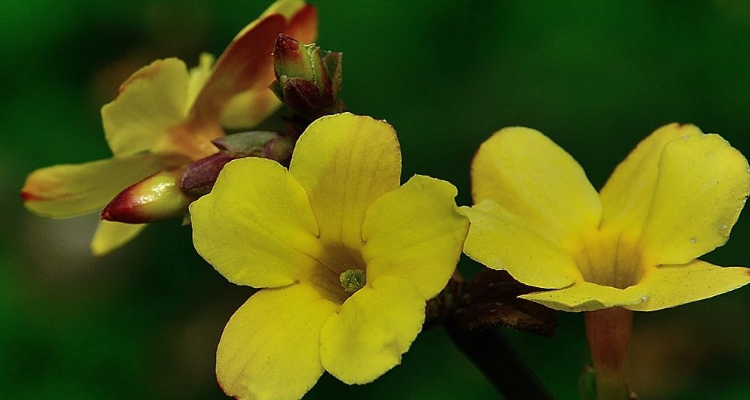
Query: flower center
[
  {"x": 610, "y": 259},
  {"x": 341, "y": 271},
  {"x": 352, "y": 280}
]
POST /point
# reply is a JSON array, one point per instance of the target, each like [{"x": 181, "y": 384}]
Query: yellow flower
[
  {"x": 634, "y": 244},
  {"x": 165, "y": 116},
  {"x": 346, "y": 258}
]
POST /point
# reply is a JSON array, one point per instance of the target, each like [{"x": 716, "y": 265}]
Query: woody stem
[{"x": 499, "y": 362}]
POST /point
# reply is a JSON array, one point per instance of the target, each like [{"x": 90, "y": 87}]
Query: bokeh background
[{"x": 143, "y": 323}]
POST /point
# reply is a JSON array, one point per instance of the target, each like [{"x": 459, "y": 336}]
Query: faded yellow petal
[
  {"x": 371, "y": 330},
  {"x": 256, "y": 227},
  {"x": 627, "y": 194},
  {"x": 345, "y": 162},
  {"x": 244, "y": 109},
  {"x": 198, "y": 76},
  {"x": 700, "y": 190},
  {"x": 530, "y": 176},
  {"x": 110, "y": 236},
  {"x": 415, "y": 232},
  {"x": 249, "y": 108},
  {"x": 68, "y": 190},
  {"x": 673, "y": 285},
  {"x": 246, "y": 63},
  {"x": 149, "y": 103},
  {"x": 287, "y": 8},
  {"x": 585, "y": 296},
  {"x": 270, "y": 349},
  {"x": 302, "y": 19},
  {"x": 502, "y": 240}
]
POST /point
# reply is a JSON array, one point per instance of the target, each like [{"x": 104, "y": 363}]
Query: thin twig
[{"x": 500, "y": 363}]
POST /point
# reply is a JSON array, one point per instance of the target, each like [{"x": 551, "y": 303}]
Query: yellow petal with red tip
[
  {"x": 415, "y": 232},
  {"x": 585, "y": 296},
  {"x": 110, "y": 236},
  {"x": 302, "y": 19},
  {"x": 345, "y": 162},
  {"x": 529, "y": 175},
  {"x": 627, "y": 194},
  {"x": 371, "y": 331},
  {"x": 287, "y": 8},
  {"x": 303, "y": 24},
  {"x": 68, "y": 190},
  {"x": 151, "y": 102},
  {"x": 270, "y": 349},
  {"x": 502, "y": 240},
  {"x": 256, "y": 227},
  {"x": 238, "y": 90},
  {"x": 246, "y": 64},
  {"x": 702, "y": 186}
]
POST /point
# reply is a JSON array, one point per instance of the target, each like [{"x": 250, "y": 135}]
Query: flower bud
[
  {"x": 155, "y": 198},
  {"x": 306, "y": 81},
  {"x": 291, "y": 58},
  {"x": 200, "y": 176}
]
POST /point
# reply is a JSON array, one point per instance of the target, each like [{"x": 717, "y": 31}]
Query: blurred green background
[{"x": 143, "y": 323}]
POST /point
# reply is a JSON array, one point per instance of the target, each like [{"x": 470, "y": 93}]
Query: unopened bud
[
  {"x": 155, "y": 198},
  {"x": 306, "y": 81},
  {"x": 280, "y": 149},
  {"x": 200, "y": 176},
  {"x": 291, "y": 58}
]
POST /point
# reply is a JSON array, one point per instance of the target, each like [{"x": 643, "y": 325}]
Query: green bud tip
[{"x": 352, "y": 280}]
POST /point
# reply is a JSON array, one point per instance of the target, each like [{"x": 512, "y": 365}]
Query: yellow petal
[
  {"x": 249, "y": 108},
  {"x": 502, "y": 240},
  {"x": 530, "y": 176},
  {"x": 110, "y": 236},
  {"x": 415, "y": 232},
  {"x": 68, "y": 190},
  {"x": 674, "y": 285},
  {"x": 149, "y": 103},
  {"x": 585, "y": 296},
  {"x": 371, "y": 331},
  {"x": 345, "y": 162},
  {"x": 270, "y": 349},
  {"x": 287, "y": 8},
  {"x": 245, "y": 64},
  {"x": 256, "y": 227},
  {"x": 198, "y": 76},
  {"x": 302, "y": 19},
  {"x": 627, "y": 194},
  {"x": 701, "y": 188}
]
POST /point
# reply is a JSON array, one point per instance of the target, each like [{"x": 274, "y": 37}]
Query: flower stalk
[{"x": 609, "y": 331}]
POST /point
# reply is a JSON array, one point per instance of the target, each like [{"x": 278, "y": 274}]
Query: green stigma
[{"x": 352, "y": 280}]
